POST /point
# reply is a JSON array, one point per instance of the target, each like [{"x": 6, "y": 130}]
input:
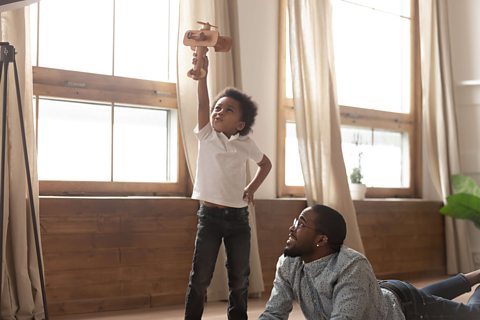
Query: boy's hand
[
  {"x": 248, "y": 195},
  {"x": 200, "y": 64},
  {"x": 203, "y": 64}
]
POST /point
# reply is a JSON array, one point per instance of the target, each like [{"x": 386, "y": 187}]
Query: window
[
  {"x": 378, "y": 87},
  {"x": 105, "y": 97}
]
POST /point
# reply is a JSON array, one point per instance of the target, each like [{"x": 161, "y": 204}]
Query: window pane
[
  {"x": 293, "y": 168},
  {"x": 372, "y": 64},
  {"x": 74, "y": 141},
  {"x": 382, "y": 155},
  {"x": 76, "y": 35},
  {"x": 141, "y": 146},
  {"x": 145, "y": 40}
]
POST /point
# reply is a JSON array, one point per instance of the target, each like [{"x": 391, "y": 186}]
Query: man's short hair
[
  {"x": 331, "y": 223},
  {"x": 248, "y": 107}
]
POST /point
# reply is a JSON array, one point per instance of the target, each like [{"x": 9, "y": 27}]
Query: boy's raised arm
[{"x": 203, "y": 116}]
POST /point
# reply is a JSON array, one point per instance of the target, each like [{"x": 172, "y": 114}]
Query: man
[{"x": 332, "y": 281}]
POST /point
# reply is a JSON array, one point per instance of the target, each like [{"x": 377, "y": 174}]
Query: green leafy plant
[
  {"x": 464, "y": 203},
  {"x": 356, "y": 175}
]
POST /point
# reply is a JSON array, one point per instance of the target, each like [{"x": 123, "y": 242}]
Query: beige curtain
[
  {"x": 21, "y": 296},
  {"x": 439, "y": 123},
  {"x": 221, "y": 75},
  {"x": 317, "y": 112}
]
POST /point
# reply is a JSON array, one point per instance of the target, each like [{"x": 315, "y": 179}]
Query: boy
[{"x": 220, "y": 185}]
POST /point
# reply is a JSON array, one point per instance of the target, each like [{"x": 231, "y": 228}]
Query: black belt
[{"x": 228, "y": 213}]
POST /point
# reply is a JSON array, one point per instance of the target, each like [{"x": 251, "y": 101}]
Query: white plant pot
[{"x": 357, "y": 191}]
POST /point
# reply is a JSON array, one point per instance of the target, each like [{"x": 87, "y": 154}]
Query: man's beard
[{"x": 290, "y": 252}]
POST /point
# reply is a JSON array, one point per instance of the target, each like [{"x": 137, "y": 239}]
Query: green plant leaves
[
  {"x": 465, "y": 184},
  {"x": 463, "y": 206},
  {"x": 465, "y": 202},
  {"x": 356, "y": 175}
]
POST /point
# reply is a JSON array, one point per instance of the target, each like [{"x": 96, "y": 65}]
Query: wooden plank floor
[{"x": 213, "y": 310}]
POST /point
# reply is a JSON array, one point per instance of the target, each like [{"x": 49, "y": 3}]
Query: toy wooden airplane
[{"x": 199, "y": 40}]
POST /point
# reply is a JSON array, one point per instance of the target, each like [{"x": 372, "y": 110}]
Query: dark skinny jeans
[
  {"x": 435, "y": 300},
  {"x": 214, "y": 225}
]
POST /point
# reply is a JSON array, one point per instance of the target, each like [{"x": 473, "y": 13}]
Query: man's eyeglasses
[{"x": 298, "y": 224}]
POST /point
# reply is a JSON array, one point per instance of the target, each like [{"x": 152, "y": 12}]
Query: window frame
[
  {"x": 78, "y": 86},
  {"x": 349, "y": 115},
  {"x": 84, "y": 86}
]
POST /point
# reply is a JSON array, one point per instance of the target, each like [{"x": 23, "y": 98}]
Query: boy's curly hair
[{"x": 247, "y": 105}]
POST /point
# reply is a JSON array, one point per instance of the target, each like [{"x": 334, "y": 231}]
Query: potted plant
[
  {"x": 357, "y": 188},
  {"x": 356, "y": 176}
]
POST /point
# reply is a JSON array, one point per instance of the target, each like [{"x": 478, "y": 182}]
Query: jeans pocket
[{"x": 243, "y": 216}]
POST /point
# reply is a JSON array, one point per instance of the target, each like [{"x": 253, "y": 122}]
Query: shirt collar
[
  {"x": 319, "y": 264},
  {"x": 234, "y": 137}
]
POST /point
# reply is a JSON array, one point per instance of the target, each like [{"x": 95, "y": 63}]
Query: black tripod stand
[{"x": 7, "y": 55}]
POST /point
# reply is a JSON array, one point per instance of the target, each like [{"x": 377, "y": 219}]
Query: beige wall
[{"x": 465, "y": 42}]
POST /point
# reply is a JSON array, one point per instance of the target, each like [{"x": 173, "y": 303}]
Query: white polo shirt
[{"x": 221, "y": 167}]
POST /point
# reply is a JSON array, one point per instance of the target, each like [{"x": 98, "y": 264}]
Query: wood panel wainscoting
[
  {"x": 105, "y": 254},
  {"x": 403, "y": 238}
]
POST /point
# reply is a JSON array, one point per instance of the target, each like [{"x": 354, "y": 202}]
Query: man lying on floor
[{"x": 332, "y": 281}]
